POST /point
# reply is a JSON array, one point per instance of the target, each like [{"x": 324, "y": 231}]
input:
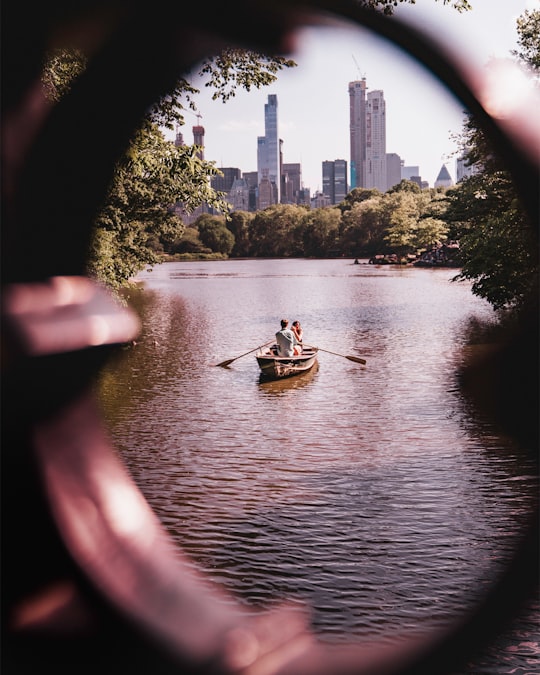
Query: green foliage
[
  {"x": 214, "y": 234},
  {"x": 189, "y": 242},
  {"x": 276, "y": 232},
  {"x": 406, "y": 186},
  {"x": 321, "y": 231},
  {"x": 63, "y": 67},
  {"x": 239, "y": 223},
  {"x": 429, "y": 232},
  {"x": 235, "y": 68},
  {"x": 498, "y": 245},
  {"x": 528, "y": 28},
  {"x": 498, "y": 259},
  {"x": 401, "y": 232},
  {"x": 358, "y": 195},
  {"x": 363, "y": 227},
  {"x": 137, "y": 221},
  {"x": 403, "y": 220},
  {"x": 387, "y": 6}
]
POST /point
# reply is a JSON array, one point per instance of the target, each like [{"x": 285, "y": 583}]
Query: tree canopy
[{"x": 499, "y": 247}]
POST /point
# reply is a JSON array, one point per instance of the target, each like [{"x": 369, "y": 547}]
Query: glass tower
[
  {"x": 268, "y": 146},
  {"x": 375, "y": 166},
  {"x": 357, "y": 112}
]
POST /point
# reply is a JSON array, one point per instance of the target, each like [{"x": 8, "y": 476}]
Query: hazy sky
[{"x": 313, "y": 100}]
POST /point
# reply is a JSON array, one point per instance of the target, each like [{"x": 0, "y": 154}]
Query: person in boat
[
  {"x": 297, "y": 330},
  {"x": 286, "y": 340}
]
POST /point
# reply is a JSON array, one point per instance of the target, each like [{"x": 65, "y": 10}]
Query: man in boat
[{"x": 288, "y": 345}]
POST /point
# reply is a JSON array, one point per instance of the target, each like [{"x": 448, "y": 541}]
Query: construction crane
[{"x": 362, "y": 75}]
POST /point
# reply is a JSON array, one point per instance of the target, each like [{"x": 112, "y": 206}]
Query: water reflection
[
  {"x": 287, "y": 384},
  {"x": 373, "y": 493}
]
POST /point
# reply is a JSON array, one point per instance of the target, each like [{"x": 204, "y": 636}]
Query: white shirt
[{"x": 286, "y": 340}]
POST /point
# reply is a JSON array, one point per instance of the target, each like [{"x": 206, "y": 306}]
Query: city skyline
[{"x": 314, "y": 123}]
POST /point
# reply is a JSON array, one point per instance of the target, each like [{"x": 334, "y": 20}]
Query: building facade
[
  {"x": 375, "y": 164},
  {"x": 266, "y": 193},
  {"x": 198, "y": 139},
  {"x": 367, "y": 126},
  {"x": 238, "y": 195},
  {"x": 320, "y": 200},
  {"x": 443, "y": 179},
  {"x": 393, "y": 169},
  {"x": 334, "y": 180},
  {"x": 407, "y": 172},
  {"x": 224, "y": 183},
  {"x": 268, "y": 148},
  {"x": 357, "y": 130},
  {"x": 464, "y": 170},
  {"x": 291, "y": 182}
]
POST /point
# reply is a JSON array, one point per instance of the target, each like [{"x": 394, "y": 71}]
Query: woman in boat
[{"x": 297, "y": 330}]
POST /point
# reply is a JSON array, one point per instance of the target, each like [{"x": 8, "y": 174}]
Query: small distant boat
[{"x": 275, "y": 367}]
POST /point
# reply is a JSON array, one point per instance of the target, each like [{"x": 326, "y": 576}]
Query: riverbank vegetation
[
  {"x": 138, "y": 225},
  {"x": 403, "y": 220}
]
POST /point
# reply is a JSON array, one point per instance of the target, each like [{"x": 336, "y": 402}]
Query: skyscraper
[
  {"x": 224, "y": 183},
  {"x": 198, "y": 139},
  {"x": 328, "y": 179},
  {"x": 291, "y": 182},
  {"x": 375, "y": 166},
  {"x": 393, "y": 169},
  {"x": 334, "y": 180},
  {"x": 443, "y": 179},
  {"x": 340, "y": 180},
  {"x": 463, "y": 170},
  {"x": 268, "y": 150},
  {"x": 367, "y": 136},
  {"x": 357, "y": 113}
]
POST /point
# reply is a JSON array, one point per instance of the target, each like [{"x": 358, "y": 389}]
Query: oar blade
[
  {"x": 224, "y": 364},
  {"x": 356, "y": 359}
]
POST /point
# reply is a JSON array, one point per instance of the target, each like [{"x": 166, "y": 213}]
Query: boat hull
[{"x": 277, "y": 367}]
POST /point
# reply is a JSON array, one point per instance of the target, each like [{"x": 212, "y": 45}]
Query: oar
[
  {"x": 356, "y": 359},
  {"x": 223, "y": 364}
]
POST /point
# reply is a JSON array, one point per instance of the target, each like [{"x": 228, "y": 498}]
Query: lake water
[{"x": 373, "y": 493}]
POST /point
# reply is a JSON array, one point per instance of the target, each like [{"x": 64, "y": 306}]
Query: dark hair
[{"x": 284, "y": 323}]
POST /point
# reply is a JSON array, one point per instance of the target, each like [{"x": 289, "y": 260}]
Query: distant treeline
[{"x": 403, "y": 220}]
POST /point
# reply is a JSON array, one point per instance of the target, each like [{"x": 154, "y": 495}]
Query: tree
[
  {"x": 277, "y": 232},
  {"x": 154, "y": 174},
  {"x": 364, "y": 226},
  {"x": 357, "y": 195},
  {"x": 429, "y": 232},
  {"x": 401, "y": 234},
  {"x": 498, "y": 243},
  {"x": 190, "y": 243},
  {"x": 321, "y": 230},
  {"x": 214, "y": 234},
  {"x": 498, "y": 246},
  {"x": 239, "y": 224},
  {"x": 387, "y": 6},
  {"x": 405, "y": 186},
  {"x": 528, "y": 28}
]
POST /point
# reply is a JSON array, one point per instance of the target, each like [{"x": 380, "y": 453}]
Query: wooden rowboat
[{"x": 276, "y": 367}]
